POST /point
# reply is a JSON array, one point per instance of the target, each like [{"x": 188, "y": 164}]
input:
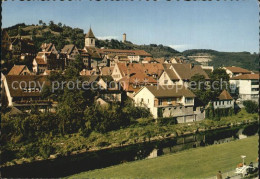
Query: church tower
[{"x": 90, "y": 39}]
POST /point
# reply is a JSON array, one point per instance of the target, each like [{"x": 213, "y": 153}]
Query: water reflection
[{"x": 65, "y": 166}]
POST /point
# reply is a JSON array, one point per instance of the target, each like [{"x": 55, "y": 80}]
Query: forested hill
[
  {"x": 240, "y": 59},
  {"x": 60, "y": 35}
]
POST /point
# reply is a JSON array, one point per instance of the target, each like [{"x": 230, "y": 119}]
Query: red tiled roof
[
  {"x": 153, "y": 68},
  {"x": 145, "y": 68},
  {"x": 125, "y": 52},
  {"x": 225, "y": 96},
  {"x": 148, "y": 59},
  {"x": 16, "y": 70},
  {"x": 160, "y": 60},
  {"x": 107, "y": 70},
  {"x": 237, "y": 70},
  {"x": 138, "y": 78},
  {"x": 246, "y": 77}
]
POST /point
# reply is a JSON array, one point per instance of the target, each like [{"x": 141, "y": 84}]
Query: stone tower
[
  {"x": 124, "y": 37},
  {"x": 90, "y": 39}
]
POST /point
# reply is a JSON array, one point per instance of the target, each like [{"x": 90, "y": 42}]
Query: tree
[
  {"x": 219, "y": 81},
  {"x": 34, "y": 31},
  {"x": 75, "y": 67},
  {"x": 60, "y": 24},
  {"x": 51, "y": 23},
  {"x": 70, "y": 110},
  {"x": 251, "y": 106},
  {"x": 40, "y": 22},
  {"x": 199, "y": 88}
]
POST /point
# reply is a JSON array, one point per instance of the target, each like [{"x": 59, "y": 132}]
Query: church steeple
[{"x": 90, "y": 39}]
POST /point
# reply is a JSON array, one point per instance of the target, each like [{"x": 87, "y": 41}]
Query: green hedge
[{"x": 212, "y": 113}]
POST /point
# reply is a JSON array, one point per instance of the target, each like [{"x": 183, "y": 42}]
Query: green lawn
[{"x": 194, "y": 163}]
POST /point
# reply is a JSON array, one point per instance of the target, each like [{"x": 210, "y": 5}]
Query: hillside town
[
  {"x": 135, "y": 73},
  {"x": 126, "y": 89}
]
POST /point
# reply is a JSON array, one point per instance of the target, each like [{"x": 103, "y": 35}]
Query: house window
[
  {"x": 223, "y": 102},
  {"x": 160, "y": 101},
  {"x": 188, "y": 100},
  {"x": 165, "y": 82},
  {"x": 169, "y": 101},
  {"x": 219, "y": 102},
  {"x": 178, "y": 100},
  {"x": 254, "y": 82},
  {"x": 216, "y": 103}
]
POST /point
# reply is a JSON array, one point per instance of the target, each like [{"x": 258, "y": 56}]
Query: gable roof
[
  {"x": 27, "y": 80},
  {"x": 130, "y": 68},
  {"x": 237, "y": 70},
  {"x": 246, "y": 77},
  {"x": 225, "y": 95},
  {"x": 142, "y": 68},
  {"x": 40, "y": 61},
  {"x": 17, "y": 69},
  {"x": 46, "y": 47},
  {"x": 138, "y": 78},
  {"x": 186, "y": 71},
  {"x": 169, "y": 91},
  {"x": 90, "y": 34},
  {"x": 68, "y": 49},
  {"x": 172, "y": 75},
  {"x": 93, "y": 52},
  {"x": 160, "y": 60},
  {"x": 107, "y": 70},
  {"x": 153, "y": 68}
]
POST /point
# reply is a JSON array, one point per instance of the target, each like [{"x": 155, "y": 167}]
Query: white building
[
  {"x": 246, "y": 86},
  {"x": 167, "y": 101},
  {"x": 224, "y": 101},
  {"x": 180, "y": 74}
]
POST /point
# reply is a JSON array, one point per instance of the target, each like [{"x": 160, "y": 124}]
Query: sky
[{"x": 230, "y": 26}]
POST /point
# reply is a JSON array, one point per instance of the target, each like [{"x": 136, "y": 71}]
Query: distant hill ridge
[{"x": 60, "y": 35}]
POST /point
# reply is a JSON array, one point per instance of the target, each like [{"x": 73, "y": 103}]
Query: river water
[{"x": 66, "y": 166}]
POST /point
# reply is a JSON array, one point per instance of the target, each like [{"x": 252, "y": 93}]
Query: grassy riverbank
[
  {"x": 144, "y": 129},
  {"x": 193, "y": 163}
]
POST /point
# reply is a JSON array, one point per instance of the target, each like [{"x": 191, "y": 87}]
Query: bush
[
  {"x": 251, "y": 106},
  {"x": 145, "y": 121},
  {"x": 46, "y": 148},
  {"x": 167, "y": 120}
]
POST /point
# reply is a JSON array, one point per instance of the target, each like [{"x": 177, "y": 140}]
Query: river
[{"x": 69, "y": 165}]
